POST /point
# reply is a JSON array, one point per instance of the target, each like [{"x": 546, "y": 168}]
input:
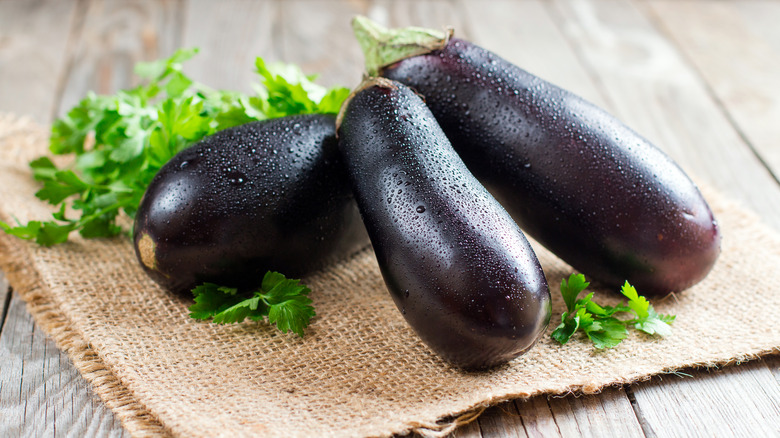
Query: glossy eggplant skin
[
  {"x": 575, "y": 178},
  {"x": 269, "y": 195},
  {"x": 457, "y": 266}
]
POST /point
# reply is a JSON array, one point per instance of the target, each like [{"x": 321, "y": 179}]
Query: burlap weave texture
[{"x": 359, "y": 370}]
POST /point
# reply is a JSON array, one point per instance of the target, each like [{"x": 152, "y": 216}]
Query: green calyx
[{"x": 382, "y": 46}]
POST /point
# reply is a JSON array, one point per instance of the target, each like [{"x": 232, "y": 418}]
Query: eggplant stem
[
  {"x": 382, "y": 46},
  {"x": 367, "y": 82}
]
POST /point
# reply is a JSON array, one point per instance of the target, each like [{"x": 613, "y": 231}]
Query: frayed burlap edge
[
  {"x": 446, "y": 424},
  {"x": 16, "y": 263},
  {"x": 25, "y": 280}
]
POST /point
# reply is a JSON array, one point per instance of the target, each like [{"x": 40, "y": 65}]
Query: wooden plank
[
  {"x": 538, "y": 418},
  {"x": 317, "y": 36},
  {"x": 34, "y": 39},
  {"x": 608, "y": 414},
  {"x": 233, "y": 33},
  {"x": 116, "y": 34},
  {"x": 41, "y": 393},
  {"x": 774, "y": 365},
  {"x": 494, "y": 25},
  {"x": 470, "y": 430},
  {"x": 740, "y": 62},
  {"x": 653, "y": 89},
  {"x": 230, "y": 35},
  {"x": 435, "y": 14},
  {"x": 728, "y": 402},
  {"x": 502, "y": 421}
]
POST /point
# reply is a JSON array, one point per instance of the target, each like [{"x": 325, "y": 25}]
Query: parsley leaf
[
  {"x": 119, "y": 142},
  {"x": 599, "y": 323},
  {"x": 607, "y": 333},
  {"x": 570, "y": 289},
  {"x": 647, "y": 319},
  {"x": 44, "y": 233},
  {"x": 283, "y": 301},
  {"x": 566, "y": 329}
]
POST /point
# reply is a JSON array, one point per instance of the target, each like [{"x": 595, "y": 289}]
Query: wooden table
[{"x": 700, "y": 79}]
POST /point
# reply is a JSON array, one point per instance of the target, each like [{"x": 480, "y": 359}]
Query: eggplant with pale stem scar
[
  {"x": 457, "y": 266},
  {"x": 269, "y": 195},
  {"x": 575, "y": 178}
]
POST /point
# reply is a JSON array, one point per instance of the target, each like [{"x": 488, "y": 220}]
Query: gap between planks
[
  {"x": 41, "y": 393},
  {"x": 718, "y": 61},
  {"x": 76, "y": 28},
  {"x": 5, "y": 299}
]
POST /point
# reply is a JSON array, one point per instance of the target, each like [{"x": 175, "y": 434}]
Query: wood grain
[
  {"x": 606, "y": 415},
  {"x": 233, "y": 33},
  {"x": 774, "y": 365},
  {"x": 651, "y": 87},
  {"x": 740, "y": 62},
  {"x": 503, "y": 421},
  {"x": 525, "y": 34},
  {"x": 324, "y": 44},
  {"x": 114, "y": 36},
  {"x": 34, "y": 38},
  {"x": 436, "y": 14},
  {"x": 41, "y": 393},
  {"x": 736, "y": 401},
  {"x": 470, "y": 430},
  {"x": 230, "y": 35}
]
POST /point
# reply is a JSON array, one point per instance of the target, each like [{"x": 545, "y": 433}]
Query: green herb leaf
[
  {"x": 638, "y": 304},
  {"x": 607, "y": 333},
  {"x": 283, "y": 301},
  {"x": 647, "y": 319},
  {"x": 654, "y": 326},
  {"x": 119, "y": 142},
  {"x": 331, "y": 103},
  {"x": 43, "y": 169},
  {"x": 572, "y": 288},
  {"x": 209, "y": 298},
  {"x": 43, "y": 233},
  {"x": 566, "y": 329},
  {"x": 599, "y": 323}
]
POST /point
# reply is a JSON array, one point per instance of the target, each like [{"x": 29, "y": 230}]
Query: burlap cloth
[{"x": 359, "y": 370}]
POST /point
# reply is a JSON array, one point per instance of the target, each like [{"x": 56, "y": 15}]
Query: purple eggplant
[
  {"x": 457, "y": 266},
  {"x": 269, "y": 195},
  {"x": 575, "y": 178}
]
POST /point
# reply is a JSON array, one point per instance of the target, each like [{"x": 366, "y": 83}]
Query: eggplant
[
  {"x": 268, "y": 195},
  {"x": 575, "y": 178},
  {"x": 457, "y": 266}
]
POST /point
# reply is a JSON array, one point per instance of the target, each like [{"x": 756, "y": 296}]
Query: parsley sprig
[
  {"x": 119, "y": 142},
  {"x": 283, "y": 301},
  {"x": 600, "y": 323}
]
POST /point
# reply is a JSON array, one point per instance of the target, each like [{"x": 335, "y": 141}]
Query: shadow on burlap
[{"x": 360, "y": 370}]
